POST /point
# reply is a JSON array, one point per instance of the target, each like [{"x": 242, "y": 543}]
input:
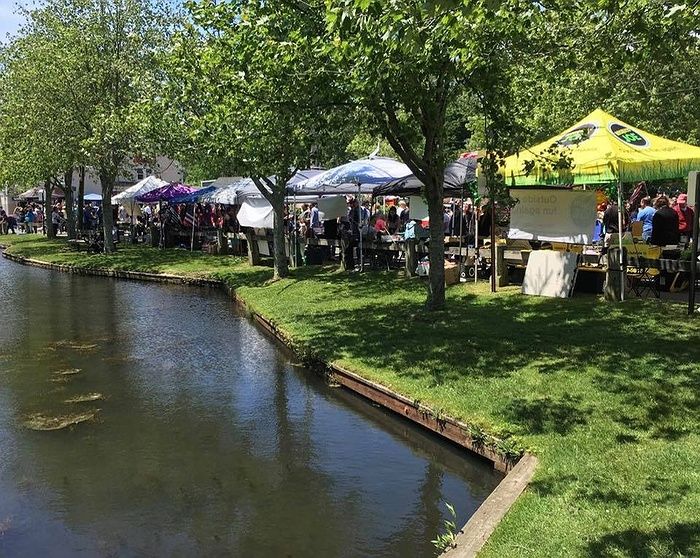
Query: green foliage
[
  {"x": 74, "y": 91},
  {"x": 637, "y": 60},
  {"x": 446, "y": 539}
]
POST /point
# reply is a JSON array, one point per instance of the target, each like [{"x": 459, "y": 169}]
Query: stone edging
[{"x": 476, "y": 532}]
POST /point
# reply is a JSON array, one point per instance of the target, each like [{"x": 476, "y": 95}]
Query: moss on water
[
  {"x": 40, "y": 421},
  {"x": 85, "y": 398}
]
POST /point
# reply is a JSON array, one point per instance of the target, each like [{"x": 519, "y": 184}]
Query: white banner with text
[{"x": 553, "y": 215}]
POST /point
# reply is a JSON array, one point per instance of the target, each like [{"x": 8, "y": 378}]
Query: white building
[{"x": 164, "y": 168}]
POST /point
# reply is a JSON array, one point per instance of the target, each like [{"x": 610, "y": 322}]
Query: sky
[{"x": 9, "y": 21}]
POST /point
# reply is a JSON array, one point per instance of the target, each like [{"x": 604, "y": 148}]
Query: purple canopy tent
[{"x": 165, "y": 193}]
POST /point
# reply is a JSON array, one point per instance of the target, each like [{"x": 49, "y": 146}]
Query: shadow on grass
[
  {"x": 540, "y": 415},
  {"x": 679, "y": 539},
  {"x": 380, "y": 322}
]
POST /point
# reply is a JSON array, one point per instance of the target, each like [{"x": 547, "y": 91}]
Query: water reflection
[{"x": 208, "y": 441}]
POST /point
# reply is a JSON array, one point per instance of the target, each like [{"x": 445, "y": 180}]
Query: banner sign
[
  {"x": 553, "y": 215},
  {"x": 256, "y": 212},
  {"x": 333, "y": 207},
  {"x": 417, "y": 208}
]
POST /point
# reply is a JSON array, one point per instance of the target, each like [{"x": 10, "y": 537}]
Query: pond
[{"x": 200, "y": 435}]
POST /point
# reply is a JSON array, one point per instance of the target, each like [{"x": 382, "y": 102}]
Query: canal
[{"x": 200, "y": 436}]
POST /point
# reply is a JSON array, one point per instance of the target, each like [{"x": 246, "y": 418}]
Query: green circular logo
[
  {"x": 627, "y": 135},
  {"x": 577, "y": 135}
]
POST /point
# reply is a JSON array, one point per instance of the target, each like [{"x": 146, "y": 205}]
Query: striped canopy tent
[{"x": 603, "y": 149}]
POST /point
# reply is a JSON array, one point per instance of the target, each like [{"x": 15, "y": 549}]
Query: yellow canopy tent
[{"x": 602, "y": 149}]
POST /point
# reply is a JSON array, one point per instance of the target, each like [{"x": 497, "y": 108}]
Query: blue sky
[{"x": 9, "y": 21}]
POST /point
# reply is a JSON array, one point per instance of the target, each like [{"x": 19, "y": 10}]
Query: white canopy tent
[
  {"x": 356, "y": 177},
  {"x": 127, "y": 198}
]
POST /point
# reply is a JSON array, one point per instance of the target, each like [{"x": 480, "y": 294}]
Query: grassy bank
[{"x": 607, "y": 396}]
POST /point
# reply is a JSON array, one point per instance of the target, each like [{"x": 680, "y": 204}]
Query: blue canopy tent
[
  {"x": 356, "y": 177},
  {"x": 458, "y": 174},
  {"x": 194, "y": 197}
]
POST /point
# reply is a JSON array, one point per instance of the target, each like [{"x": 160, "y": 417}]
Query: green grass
[{"x": 606, "y": 395}]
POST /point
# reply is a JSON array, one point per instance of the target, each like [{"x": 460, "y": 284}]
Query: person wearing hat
[{"x": 686, "y": 216}]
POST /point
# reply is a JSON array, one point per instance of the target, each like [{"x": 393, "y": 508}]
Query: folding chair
[{"x": 644, "y": 279}]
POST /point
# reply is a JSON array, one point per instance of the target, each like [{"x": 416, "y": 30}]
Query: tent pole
[
  {"x": 619, "y": 236},
  {"x": 194, "y": 218},
  {"x": 461, "y": 229},
  {"x": 476, "y": 242},
  {"x": 694, "y": 252},
  {"x": 359, "y": 208},
  {"x": 296, "y": 237}
]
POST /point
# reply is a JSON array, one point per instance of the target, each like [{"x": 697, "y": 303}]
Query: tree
[
  {"x": 75, "y": 83},
  {"x": 40, "y": 130},
  {"x": 248, "y": 82},
  {"x": 121, "y": 45},
  {"x": 408, "y": 62},
  {"x": 637, "y": 60}
]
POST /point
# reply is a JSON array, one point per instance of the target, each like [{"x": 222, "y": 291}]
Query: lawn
[{"x": 606, "y": 395}]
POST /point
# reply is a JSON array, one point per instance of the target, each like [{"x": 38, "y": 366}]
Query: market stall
[{"x": 601, "y": 149}]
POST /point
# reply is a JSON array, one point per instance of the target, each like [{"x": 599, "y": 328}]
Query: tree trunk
[
  {"x": 70, "y": 202},
  {"x": 281, "y": 261},
  {"x": 107, "y": 181},
  {"x": 436, "y": 253},
  {"x": 81, "y": 197},
  {"x": 274, "y": 193},
  {"x": 48, "y": 224}
]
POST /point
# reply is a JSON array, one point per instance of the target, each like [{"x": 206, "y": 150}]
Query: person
[
  {"x": 380, "y": 224},
  {"x": 4, "y": 222},
  {"x": 39, "y": 219},
  {"x": 87, "y": 216},
  {"x": 55, "y": 219},
  {"x": 365, "y": 213},
  {"x": 470, "y": 220},
  {"x": 404, "y": 215},
  {"x": 664, "y": 225},
  {"x": 402, "y": 207},
  {"x": 485, "y": 219},
  {"x": 314, "y": 216},
  {"x": 393, "y": 221},
  {"x": 351, "y": 226},
  {"x": 147, "y": 214},
  {"x": 645, "y": 215},
  {"x": 610, "y": 219},
  {"x": 305, "y": 212},
  {"x": 458, "y": 223},
  {"x": 686, "y": 216},
  {"x": 446, "y": 219},
  {"x": 29, "y": 220}
]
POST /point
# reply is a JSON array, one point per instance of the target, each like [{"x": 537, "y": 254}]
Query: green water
[{"x": 207, "y": 441}]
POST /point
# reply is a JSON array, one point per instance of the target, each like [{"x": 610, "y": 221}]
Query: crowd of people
[
  {"x": 663, "y": 220},
  {"x": 26, "y": 218},
  {"x": 378, "y": 220}
]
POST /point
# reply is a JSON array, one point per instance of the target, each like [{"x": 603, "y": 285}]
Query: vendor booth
[{"x": 602, "y": 149}]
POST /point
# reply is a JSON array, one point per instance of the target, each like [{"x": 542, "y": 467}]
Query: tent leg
[
  {"x": 460, "y": 265},
  {"x": 194, "y": 215},
  {"x": 476, "y": 244},
  {"x": 619, "y": 235},
  {"x": 359, "y": 208}
]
